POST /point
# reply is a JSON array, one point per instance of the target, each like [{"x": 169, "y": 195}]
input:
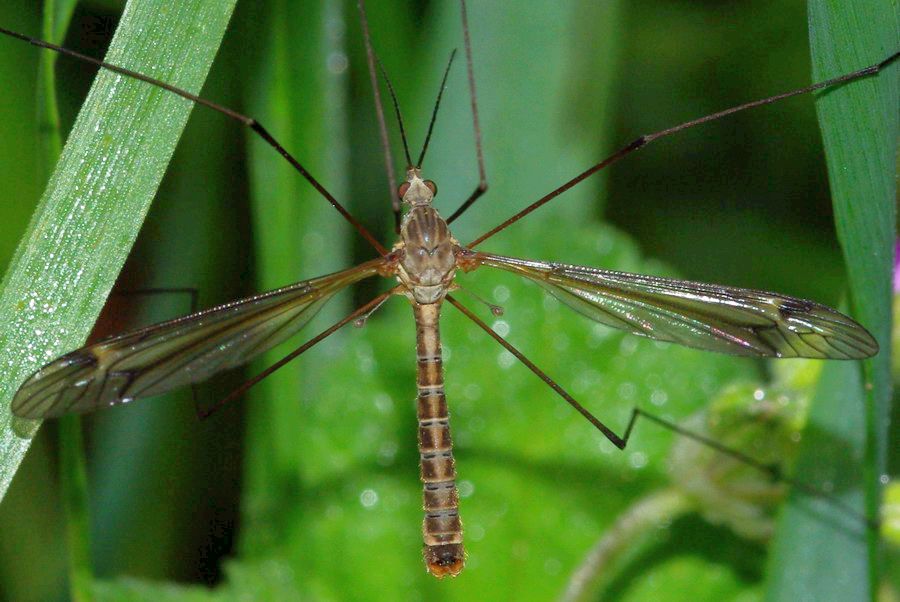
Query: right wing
[
  {"x": 162, "y": 357},
  {"x": 724, "y": 319}
]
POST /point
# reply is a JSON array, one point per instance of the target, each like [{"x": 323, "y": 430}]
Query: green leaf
[
  {"x": 821, "y": 553},
  {"x": 97, "y": 198}
]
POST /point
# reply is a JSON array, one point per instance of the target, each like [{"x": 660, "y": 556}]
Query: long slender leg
[
  {"x": 621, "y": 441},
  {"x": 482, "y": 186},
  {"x": 379, "y": 113},
  {"x": 648, "y": 138},
  {"x": 297, "y": 352},
  {"x": 249, "y": 122}
]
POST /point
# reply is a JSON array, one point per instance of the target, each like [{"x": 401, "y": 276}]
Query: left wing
[
  {"x": 159, "y": 358},
  {"x": 706, "y": 316}
]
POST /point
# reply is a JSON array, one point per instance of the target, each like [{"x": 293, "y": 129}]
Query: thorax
[{"x": 427, "y": 249}]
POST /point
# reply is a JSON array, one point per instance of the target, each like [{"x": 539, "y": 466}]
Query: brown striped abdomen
[{"x": 442, "y": 528}]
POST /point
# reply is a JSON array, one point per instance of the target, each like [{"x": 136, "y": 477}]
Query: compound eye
[
  {"x": 431, "y": 186},
  {"x": 402, "y": 189}
]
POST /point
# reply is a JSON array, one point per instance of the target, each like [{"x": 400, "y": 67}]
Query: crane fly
[{"x": 422, "y": 266}]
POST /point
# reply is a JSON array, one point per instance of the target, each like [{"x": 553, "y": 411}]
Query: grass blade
[
  {"x": 96, "y": 200},
  {"x": 846, "y": 444}
]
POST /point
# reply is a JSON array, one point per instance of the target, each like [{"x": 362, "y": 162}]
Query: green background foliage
[{"x": 309, "y": 487}]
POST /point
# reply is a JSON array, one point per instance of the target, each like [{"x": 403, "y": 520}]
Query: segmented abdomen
[{"x": 442, "y": 528}]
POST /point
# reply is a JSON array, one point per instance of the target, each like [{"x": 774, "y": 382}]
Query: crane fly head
[{"x": 415, "y": 191}]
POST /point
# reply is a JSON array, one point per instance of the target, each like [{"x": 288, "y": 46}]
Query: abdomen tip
[{"x": 445, "y": 560}]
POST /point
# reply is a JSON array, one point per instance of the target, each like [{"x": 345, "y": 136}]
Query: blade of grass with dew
[
  {"x": 821, "y": 553},
  {"x": 95, "y": 202}
]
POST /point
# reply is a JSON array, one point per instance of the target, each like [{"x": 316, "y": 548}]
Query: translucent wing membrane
[
  {"x": 164, "y": 356},
  {"x": 706, "y": 316}
]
